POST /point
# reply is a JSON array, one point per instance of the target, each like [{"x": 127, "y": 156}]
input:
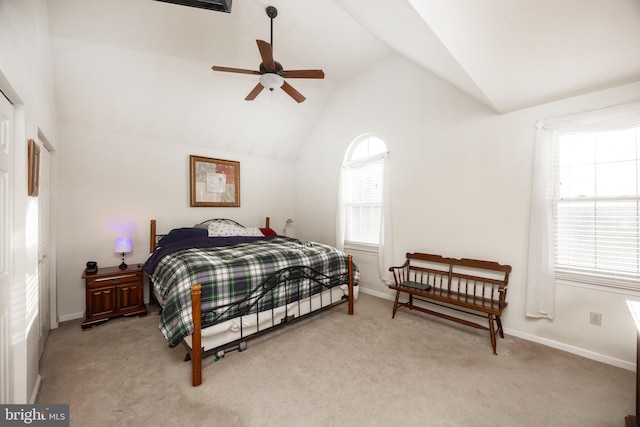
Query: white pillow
[{"x": 217, "y": 229}]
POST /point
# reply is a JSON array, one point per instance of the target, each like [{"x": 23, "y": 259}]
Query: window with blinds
[
  {"x": 363, "y": 179},
  {"x": 596, "y": 208}
]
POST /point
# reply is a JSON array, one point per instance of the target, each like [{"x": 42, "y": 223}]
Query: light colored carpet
[{"x": 330, "y": 370}]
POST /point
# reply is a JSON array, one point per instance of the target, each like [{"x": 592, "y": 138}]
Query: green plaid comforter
[{"x": 232, "y": 277}]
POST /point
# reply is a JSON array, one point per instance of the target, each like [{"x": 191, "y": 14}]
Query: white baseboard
[
  {"x": 72, "y": 316},
  {"x": 574, "y": 350},
  {"x": 377, "y": 294},
  {"x": 544, "y": 341},
  {"x": 36, "y": 390}
]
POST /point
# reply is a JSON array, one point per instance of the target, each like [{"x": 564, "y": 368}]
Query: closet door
[{"x": 44, "y": 263}]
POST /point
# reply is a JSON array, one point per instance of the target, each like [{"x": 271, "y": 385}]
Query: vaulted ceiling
[{"x": 131, "y": 63}]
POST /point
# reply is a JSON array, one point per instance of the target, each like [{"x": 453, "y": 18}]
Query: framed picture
[
  {"x": 33, "y": 154},
  {"x": 214, "y": 182}
]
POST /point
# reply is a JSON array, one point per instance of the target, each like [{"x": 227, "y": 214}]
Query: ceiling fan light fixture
[{"x": 271, "y": 81}]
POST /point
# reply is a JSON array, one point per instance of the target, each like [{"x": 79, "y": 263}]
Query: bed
[{"x": 220, "y": 284}]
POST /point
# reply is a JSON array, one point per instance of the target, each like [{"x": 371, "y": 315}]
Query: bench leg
[
  {"x": 492, "y": 332},
  {"x": 395, "y": 305},
  {"x": 500, "y": 331}
]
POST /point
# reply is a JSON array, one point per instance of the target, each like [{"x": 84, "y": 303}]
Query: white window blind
[
  {"x": 363, "y": 190},
  {"x": 363, "y": 203},
  {"x": 596, "y": 207}
]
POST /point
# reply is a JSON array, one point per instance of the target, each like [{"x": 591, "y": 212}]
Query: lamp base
[{"x": 123, "y": 266}]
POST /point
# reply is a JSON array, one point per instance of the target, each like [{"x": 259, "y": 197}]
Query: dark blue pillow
[{"x": 182, "y": 233}]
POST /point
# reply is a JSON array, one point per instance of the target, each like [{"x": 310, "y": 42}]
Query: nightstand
[{"x": 112, "y": 292}]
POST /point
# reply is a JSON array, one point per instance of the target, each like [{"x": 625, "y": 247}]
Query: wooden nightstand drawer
[
  {"x": 99, "y": 282},
  {"x": 112, "y": 292}
]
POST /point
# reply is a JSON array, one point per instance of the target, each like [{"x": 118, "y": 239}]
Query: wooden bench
[{"x": 466, "y": 285}]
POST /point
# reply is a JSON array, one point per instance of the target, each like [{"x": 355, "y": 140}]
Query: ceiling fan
[{"x": 271, "y": 73}]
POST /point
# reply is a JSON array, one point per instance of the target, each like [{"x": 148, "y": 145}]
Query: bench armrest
[
  {"x": 400, "y": 273},
  {"x": 406, "y": 264}
]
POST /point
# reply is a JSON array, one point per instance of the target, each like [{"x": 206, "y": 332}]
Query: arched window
[
  {"x": 364, "y": 208},
  {"x": 363, "y": 184}
]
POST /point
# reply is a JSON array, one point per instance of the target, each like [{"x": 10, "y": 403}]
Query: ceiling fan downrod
[{"x": 272, "y": 12}]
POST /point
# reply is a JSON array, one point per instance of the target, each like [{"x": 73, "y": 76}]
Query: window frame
[
  {"x": 590, "y": 277},
  {"x": 353, "y": 147}
]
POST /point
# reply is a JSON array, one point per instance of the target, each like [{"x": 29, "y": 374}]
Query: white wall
[
  {"x": 461, "y": 174},
  {"x": 112, "y": 184},
  {"x": 461, "y": 183},
  {"x": 26, "y": 78}
]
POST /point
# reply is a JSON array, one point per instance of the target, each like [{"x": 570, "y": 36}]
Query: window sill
[
  {"x": 361, "y": 247},
  {"x": 623, "y": 290}
]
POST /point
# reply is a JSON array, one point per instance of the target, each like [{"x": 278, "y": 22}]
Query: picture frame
[
  {"x": 214, "y": 182},
  {"x": 33, "y": 169}
]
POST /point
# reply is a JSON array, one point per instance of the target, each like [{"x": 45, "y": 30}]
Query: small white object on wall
[{"x": 289, "y": 229}]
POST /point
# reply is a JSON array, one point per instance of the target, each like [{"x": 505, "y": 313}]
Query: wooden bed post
[
  {"x": 196, "y": 338},
  {"x": 267, "y": 223},
  {"x": 152, "y": 239},
  {"x": 350, "y": 269}
]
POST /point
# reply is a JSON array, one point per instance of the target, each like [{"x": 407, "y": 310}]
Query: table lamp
[
  {"x": 286, "y": 226},
  {"x": 123, "y": 246}
]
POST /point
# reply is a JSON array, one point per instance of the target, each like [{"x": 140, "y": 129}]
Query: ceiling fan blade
[
  {"x": 267, "y": 54},
  {"x": 293, "y": 93},
  {"x": 303, "y": 74},
  {"x": 255, "y": 92},
  {"x": 234, "y": 70}
]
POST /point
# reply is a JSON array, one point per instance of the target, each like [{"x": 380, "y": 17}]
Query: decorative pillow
[
  {"x": 207, "y": 223},
  {"x": 268, "y": 232},
  {"x": 217, "y": 229}
]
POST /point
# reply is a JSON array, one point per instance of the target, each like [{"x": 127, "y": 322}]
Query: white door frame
[
  {"x": 22, "y": 385},
  {"x": 53, "y": 286},
  {"x": 7, "y": 140},
  {"x": 44, "y": 225}
]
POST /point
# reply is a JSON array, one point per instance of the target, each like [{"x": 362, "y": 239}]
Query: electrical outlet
[{"x": 595, "y": 318}]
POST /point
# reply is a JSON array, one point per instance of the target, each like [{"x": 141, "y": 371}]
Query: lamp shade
[{"x": 123, "y": 245}]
